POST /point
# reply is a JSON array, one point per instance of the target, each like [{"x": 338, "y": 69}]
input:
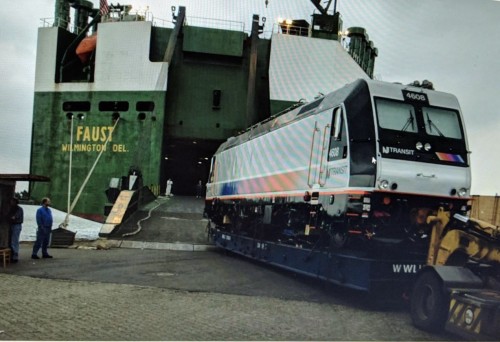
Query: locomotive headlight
[
  {"x": 469, "y": 316},
  {"x": 427, "y": 147},
  {"x": 419, "y": 145},
  {"x": 383, "y": 184},
  {"x": 462, "y": 192}
]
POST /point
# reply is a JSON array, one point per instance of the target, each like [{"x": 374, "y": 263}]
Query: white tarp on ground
[{"x": 84, "y": 229}]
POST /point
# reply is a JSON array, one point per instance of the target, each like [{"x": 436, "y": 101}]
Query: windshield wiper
[
  {"x": 432, "y": 124},
  {"x": 408, "y": 123}
]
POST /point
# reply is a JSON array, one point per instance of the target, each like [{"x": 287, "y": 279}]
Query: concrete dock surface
[{"x": 147, "y": 293}]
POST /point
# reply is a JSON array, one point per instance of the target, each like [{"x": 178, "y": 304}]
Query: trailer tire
[{"x": 429, "y": 303}]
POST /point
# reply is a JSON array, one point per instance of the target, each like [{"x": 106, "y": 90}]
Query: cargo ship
[{"x": 121, "y": 93}]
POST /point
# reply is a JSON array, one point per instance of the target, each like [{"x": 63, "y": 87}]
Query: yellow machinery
[
  {"x": 459, "y": 289},
  {"x": 475, "y": 239}
]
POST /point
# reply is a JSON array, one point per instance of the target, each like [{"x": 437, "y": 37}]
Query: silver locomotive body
[{"x": 368, "y": 162}]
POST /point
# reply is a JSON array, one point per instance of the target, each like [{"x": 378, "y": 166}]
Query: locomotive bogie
[{"x": 374, "y": 219}]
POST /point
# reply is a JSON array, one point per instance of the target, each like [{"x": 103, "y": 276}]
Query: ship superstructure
[{"x": 121, "y": 93}]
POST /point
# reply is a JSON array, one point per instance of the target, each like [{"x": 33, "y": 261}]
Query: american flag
[{"x": 104, "y": 7}]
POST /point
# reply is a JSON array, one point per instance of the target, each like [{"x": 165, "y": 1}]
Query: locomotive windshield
[
  {"x": 396, "y": 116},
  {"x": 442, "y": 122},
  {"x": 420, "y": 132}
]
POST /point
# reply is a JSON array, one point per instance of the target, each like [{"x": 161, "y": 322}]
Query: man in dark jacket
[
  {"x": 16, "y": 224},
  {"x": 44, "y": 221}
]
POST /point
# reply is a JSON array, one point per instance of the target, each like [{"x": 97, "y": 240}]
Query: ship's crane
[{"x": 324, "y": 10}]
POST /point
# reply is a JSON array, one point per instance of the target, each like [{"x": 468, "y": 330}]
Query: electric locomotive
[{"x": 359, "y": 169}]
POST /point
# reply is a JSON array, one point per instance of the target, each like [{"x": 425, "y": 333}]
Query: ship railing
[
  {"x": 117, "y": 16},
  {"x": 49, "y": 22},
  {"x": 158, "y": 22},
  {"x": 111, "y": 17},
  {"x": 281, "y": 28},
  {"x": 46, "y": 22},
  {"x": 220, "y": 24},
  {"x": 59, "y": 22}
]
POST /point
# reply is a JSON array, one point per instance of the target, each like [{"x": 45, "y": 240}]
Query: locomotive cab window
[
  {"x": 442, "y": 122},
  {"x": 338, "y": 140},
  {"x": 396, "y": 116},
  {"x": 212, "y": 170},
  {"x": 416, "y": 131},
  {"x": 405, "y": 117},
  {"x": 337, "y": 124}
]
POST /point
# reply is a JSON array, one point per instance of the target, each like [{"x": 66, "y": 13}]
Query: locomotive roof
[
  {"x": 377, "y": 88},
  {"x": 284, "y": 118}
]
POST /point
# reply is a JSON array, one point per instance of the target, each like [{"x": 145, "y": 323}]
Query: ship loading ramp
[{"x": 168, "y": 222}]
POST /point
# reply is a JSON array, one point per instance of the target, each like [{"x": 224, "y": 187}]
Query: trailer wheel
[{"x": 429, "y": 303}]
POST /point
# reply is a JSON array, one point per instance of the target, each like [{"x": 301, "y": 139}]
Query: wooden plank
[
  {"x": 486, "y": 208},
  {"x": 120, "y": 207}
]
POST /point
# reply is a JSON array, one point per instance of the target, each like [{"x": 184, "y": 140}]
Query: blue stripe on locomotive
[{"x": 229, "y": 188}]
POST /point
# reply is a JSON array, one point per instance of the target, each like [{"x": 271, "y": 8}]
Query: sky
[{"x": 453, "y": 43}]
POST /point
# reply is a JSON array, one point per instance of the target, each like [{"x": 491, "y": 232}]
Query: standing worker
[
  {"x": 168, "y": 192},
  {"x": 199, "y": 189},
  {"x": 16, "y": 224},
  {"x": 44, "y": 221}
]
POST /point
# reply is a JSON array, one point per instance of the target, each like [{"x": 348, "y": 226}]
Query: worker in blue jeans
[
  {"x": 44, "y": 221},
  {"x": 16, "y": 225}
]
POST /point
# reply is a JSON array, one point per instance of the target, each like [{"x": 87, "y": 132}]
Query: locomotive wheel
[{"x": 429, "y": 303}]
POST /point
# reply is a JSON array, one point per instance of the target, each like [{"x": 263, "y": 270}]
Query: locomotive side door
[
  {"x": 336, "y": 164},
  {"x": 313, "y": 156},
  {"x": 319, "y": 152}
]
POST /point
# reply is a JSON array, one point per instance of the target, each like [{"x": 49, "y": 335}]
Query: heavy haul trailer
[
  {"x": 460, "y": 287},
  {"x": 343, "y": 188}
]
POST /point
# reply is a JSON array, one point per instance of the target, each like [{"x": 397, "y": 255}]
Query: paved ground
[
  {"x": 130, "y": 294},
  {"x": 158, "y": 294}
]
